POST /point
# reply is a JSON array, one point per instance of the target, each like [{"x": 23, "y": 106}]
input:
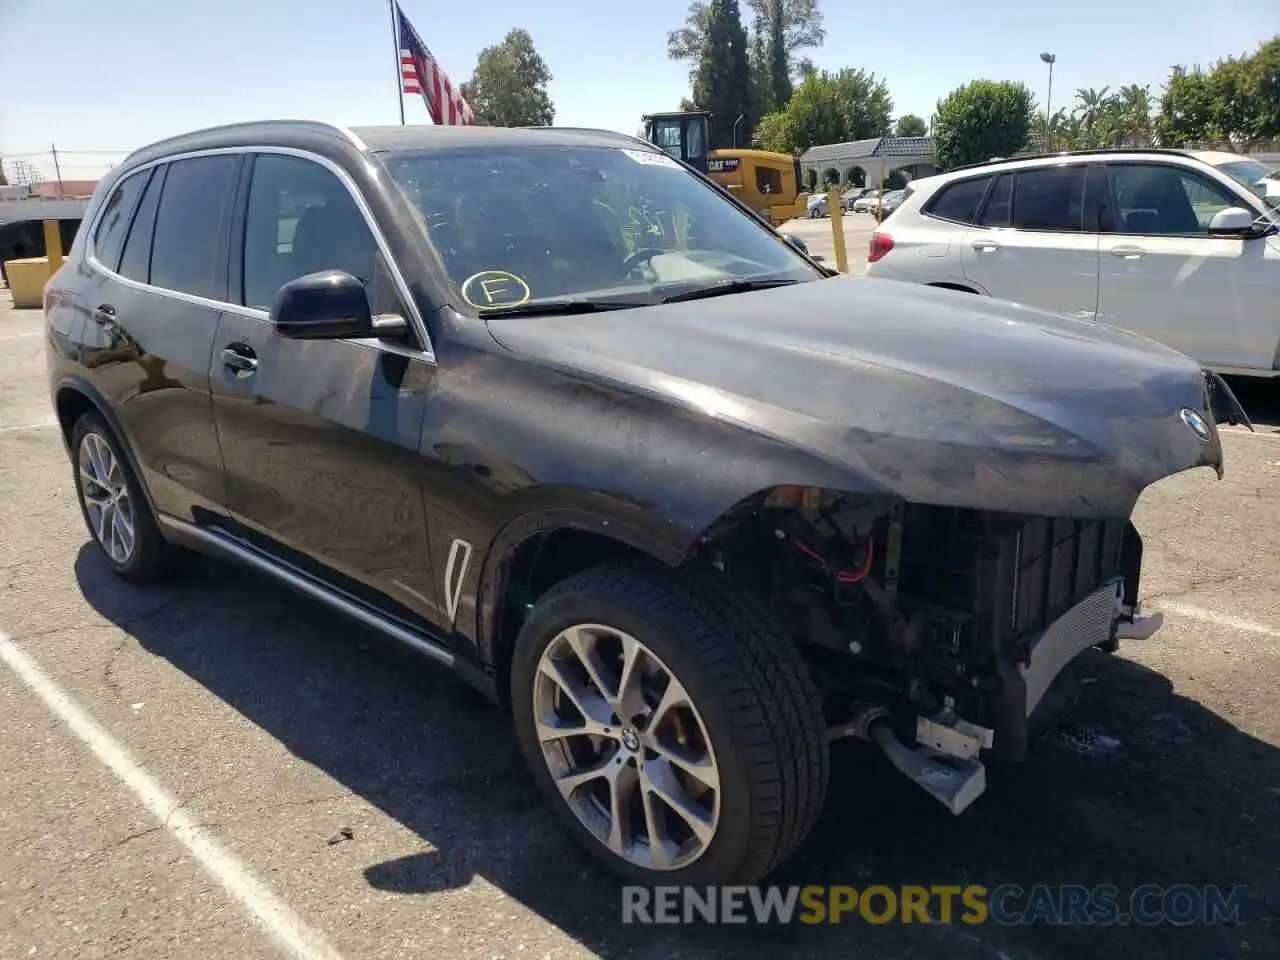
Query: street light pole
[{"x": 1050, "y": 59}]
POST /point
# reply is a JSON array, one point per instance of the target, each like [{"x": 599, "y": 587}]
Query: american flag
[{"x": 421, "y": 74}]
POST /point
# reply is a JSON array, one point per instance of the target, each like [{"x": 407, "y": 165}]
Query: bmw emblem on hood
[{"x": 1199, "y": 426}]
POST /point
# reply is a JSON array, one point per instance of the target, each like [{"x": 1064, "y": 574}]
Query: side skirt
[{"x": 219, "y": 542}]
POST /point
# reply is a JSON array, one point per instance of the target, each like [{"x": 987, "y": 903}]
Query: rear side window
[
  {"x": 189, "y": 244},
  {"x": 1050, "y": 198},
  {"x": 137, "y": 249},
  {"x": 1000, "y": 203},
  {"x": 108, "y": 238},
  {"x": 958, "y": 202}
]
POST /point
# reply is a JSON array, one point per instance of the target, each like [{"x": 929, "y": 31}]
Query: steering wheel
[{"x": 633, "y": 260}]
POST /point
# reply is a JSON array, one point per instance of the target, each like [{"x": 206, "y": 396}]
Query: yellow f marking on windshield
[{"x": 495, "y": 288}]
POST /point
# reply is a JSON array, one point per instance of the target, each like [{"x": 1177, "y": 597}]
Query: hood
[{"x": 934, "y": 395}]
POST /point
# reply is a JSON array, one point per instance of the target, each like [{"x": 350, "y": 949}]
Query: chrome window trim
[{"x": 402, "y": 287}]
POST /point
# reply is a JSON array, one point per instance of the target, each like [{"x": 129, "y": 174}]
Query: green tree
[
  {"x": 780, "y": 29},
  {"x": 723, "y": 81},
  {"x": 1186, "y": 109},
  {"x": 509, "y": 85},
  {"x": 1235, "y": 102},
  {"x": 909, "y": 125},
  {"x": 981, "y": 120},
  {"x": 1265, "y": 90},
  {"x": 829, "y": 108}
]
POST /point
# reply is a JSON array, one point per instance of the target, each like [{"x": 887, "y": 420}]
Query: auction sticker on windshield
[
  {"x": 653, "y": 159},
  {"x": 495, "y": 288}
]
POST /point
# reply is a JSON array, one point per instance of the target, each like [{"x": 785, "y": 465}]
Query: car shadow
[
  {"x": 1260, "y": 399},
  {"x": 1142, "y": 787}
]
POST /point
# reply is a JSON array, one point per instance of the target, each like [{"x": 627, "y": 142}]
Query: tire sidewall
[{"x": 732, "y": 841}]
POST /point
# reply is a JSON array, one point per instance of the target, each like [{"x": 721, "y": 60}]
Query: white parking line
[
  {"x": 275, "y": 916},
  {"x": 39, "y": 424},
  {"x": 20, "y": 336},
  {"x": 1220, "y": 619}
]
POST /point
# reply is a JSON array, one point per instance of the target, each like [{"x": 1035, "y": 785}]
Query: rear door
[
  {"x": 1035, "y": 241},
  {"x": 152, "y": 314},
  {"x": 320, "y": 438},
  {"x": 1164, "y": 276}
]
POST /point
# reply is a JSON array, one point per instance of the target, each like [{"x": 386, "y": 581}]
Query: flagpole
[{"x": 395, "y": 39}]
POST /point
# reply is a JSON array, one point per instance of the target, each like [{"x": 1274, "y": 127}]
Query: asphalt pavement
[{"x": 220, "y": 768}]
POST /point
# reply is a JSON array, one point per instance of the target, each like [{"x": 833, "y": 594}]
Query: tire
[
  {"x": 149, "y": 556},
  {"x": 751, "y": 698}
]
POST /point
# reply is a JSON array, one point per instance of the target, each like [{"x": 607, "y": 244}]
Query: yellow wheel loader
[{"x": 769, "y": 183}]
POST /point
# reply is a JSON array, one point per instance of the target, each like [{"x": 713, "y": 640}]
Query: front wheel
[{"x": 674, "y": 731}]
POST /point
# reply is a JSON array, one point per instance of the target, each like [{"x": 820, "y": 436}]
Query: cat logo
[{"x": 722, "y": 165}]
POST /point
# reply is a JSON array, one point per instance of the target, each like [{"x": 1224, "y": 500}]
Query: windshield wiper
[
  {"x": 727, "y": 287},
  {"x": 563, "y": 307}
]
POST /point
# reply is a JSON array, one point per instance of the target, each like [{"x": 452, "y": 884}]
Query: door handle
[
  {"x": 1127, "y": 253},
  {"x": 105, "y": 317},
  {"x": 240, "y": 358},
  {"x": 986, "y": 246}
]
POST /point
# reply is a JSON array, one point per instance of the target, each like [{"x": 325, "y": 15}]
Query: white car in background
[
  {"x": 867, "y": 202},
  {"x": 1167, "y": 244},
  {"x": 1263, "y": 179}
]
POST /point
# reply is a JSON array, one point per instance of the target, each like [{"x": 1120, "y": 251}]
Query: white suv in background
[{"x": 1171, "y": 245}]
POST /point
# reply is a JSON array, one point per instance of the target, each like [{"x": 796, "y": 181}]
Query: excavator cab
[{"x": 682, "y": 135}]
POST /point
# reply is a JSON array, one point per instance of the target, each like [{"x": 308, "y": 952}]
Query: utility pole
[{"x": 53, "y": 148}]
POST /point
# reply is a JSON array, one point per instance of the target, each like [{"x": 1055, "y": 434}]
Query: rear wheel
[
  {"x": 114, "y": 507},
  {"x": 673, "y": 730}
]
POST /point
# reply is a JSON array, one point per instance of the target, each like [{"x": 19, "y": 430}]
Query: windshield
[
  {"x": 519, "y": 224},
  {"x": 1247, "y": 173}
]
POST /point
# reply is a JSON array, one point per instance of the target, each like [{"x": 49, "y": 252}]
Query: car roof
[
  {"x": 377, "y": 139},
  {"x": 424, "y": 137},
  {"x": 1218, "y": 157},
  {"x": 999, "y": 165}
]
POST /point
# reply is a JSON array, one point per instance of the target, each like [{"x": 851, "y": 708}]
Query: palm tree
[
  {"x": 1135, "y": 111},
  {"x": 1092, "y": 104}
]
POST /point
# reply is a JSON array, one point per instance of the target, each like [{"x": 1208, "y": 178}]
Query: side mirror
[
  {"x": 796, "y": 242},
  {"x": 1233, "y": 221},
  {"x": 329, "y": 305}
]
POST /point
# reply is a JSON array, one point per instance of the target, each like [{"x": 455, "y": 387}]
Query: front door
[
  {"x": 1164, "y": 276},
  {"x": 1034, "y": 241},
  {"x": 320, "y": 438}
]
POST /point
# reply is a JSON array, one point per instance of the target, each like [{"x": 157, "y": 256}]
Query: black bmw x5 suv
[{"x": 552, "y": 409}]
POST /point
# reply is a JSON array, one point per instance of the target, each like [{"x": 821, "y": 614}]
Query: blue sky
[{"x": 131, "y": 71}]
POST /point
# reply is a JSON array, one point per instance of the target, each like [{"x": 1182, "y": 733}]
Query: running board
[
  {"x": 235, "y": 549},
  {"x": 953, "y": 783}
]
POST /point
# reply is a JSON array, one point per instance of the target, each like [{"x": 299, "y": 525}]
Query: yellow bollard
[
  {"x": 837, "y": 229},
  {"x": 52, "y": 245}
]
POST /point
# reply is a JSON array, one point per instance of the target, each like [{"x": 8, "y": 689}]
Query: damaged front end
[{"x": 943, "y": 635}]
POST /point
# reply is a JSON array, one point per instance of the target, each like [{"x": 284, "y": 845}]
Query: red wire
[
  {"x": 842, "y": 576},
  {"x": 853, "y": 576}
]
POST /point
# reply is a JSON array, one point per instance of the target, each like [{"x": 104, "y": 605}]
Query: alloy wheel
[
  {"x": 107, "y": 502},
  {"x": 626, "y": 747}
]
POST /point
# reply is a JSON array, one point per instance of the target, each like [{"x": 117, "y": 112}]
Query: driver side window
[
  {"x": 1165, "y": 200},
  {"x": 301, "y": 219}
]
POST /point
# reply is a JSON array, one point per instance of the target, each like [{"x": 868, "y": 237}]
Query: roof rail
[
  {"x": 320, "y": 126},
  {"x": 1091, "y": 151}
]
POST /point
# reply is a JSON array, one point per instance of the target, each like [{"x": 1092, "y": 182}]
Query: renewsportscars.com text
[{"x": 1008, "y": 904}]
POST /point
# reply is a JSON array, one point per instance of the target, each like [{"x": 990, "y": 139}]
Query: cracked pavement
[{"x": 275, "y": 724}]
